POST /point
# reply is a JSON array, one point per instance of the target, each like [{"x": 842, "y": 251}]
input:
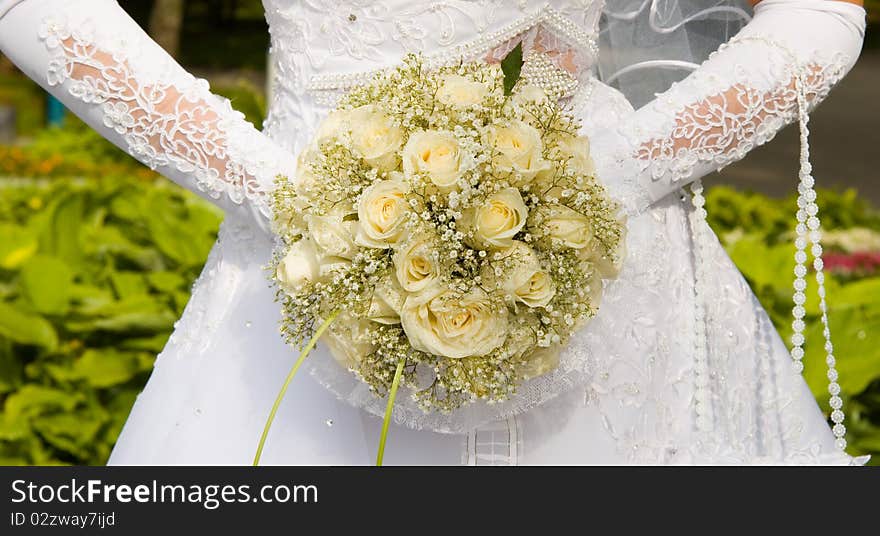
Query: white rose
[
  {"x": 577, "y": 149},
  {"x": 564, "y": 226},
  {"x": 523, "y": 278},
  {"x": 440, "y": 322},
  {"x": 541, "y": 361},
  {"x": 460, "y": 91},
  {"x": 416, "y": 264},
  {"x": 333, "y": 234},
  {"x": 528, "y": 94},
  {"x": 608, "y": 264},
  {"x": 299, "y": 266},
  {"x": 519, "y": 148},
  {"x": 498, "y": 220},
  {"x": 306, "y": 184},
  {"x": 437, "y": 154},
  {"x": 348, "y": 340},
  {"x": 333, "y": 127},
  {"x": 375, "y": 136},
  {"x": 382, "y": 214},
  {"x": 387, "y": 302},
  {"x": 537, "y": 290}
]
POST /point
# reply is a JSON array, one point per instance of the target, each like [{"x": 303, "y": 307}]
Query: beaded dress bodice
[{"x": 320, "y": 48}]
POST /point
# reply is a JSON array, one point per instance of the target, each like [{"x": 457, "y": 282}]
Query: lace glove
[
  {"x": 738, "y": 99},
  {"x": 93, "y": 57}
]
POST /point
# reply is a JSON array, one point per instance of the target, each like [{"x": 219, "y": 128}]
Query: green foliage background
[{"x": 93, "y": 275}]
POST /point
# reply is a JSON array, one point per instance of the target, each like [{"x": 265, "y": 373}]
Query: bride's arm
[
  {"x": 93, "y": 57},
  {"x": 739, "y": 98}
]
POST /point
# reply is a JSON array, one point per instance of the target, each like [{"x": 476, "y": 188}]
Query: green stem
[
  {"x": 392, "y": 394},
  {"x": 302, "y": 357}
]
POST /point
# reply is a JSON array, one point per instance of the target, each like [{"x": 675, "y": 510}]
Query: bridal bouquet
[{"x": 445, "y": 230}]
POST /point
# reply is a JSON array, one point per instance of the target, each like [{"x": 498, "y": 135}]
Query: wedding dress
[{"x": 681, "y": 365}]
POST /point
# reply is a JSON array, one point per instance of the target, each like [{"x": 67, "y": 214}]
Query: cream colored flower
[
  {"x": 299, "y": 266},
  {"x": 416, "y": 264},
  {"x": 541, "y": 361},
  {"x": 382, "y": 213},
  {"x": 528, "y": 94},
  {"x": 306, "y": 184},
  {"x": 348, "y": 340},
  {"x": 519, "y": 148},
  {"x": 375, "y": 136},
  {"x": 460, "y": 91},
  {"x": 333, "y": 234},
  {"x": 388, "y": 298},
  {"x": 564, "y": 226},
  {"x": 440, "y": 322},
  {"x": 437, "y": 154},
  {"x": 607, "y": 264},
  {"x": 522, "y": 278},
  {"x": 333, "y": 127},
  {"x": 498, "y": 220},
  {"x": 577, "y": 149}
]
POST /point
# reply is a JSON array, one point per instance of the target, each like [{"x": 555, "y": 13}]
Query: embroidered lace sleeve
[
  {"x": 738, "y": 99},
  {"x": 98, "y": 61}
]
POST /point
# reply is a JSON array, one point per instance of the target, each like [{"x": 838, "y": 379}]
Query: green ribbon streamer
[
  {"x": 302, "y": 357},
  {"x": 392, "y": 394}
]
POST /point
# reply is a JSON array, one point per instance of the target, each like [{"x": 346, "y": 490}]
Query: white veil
[{"x": 649, "y": 44}]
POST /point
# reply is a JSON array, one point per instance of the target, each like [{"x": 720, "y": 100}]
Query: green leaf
[
  {"x": 154, "y": 344},
  {"x": 46, "y": 283},
  {"x": 856, "y": 335},
  {"x": 133, "y": 315},
  {"x": 90, "y": 298},
  {"x": 11, "y": 370},
  {"x": 120, "y": 407},
  {"x": 111, "y": 240},
  {"x": 17, "y": 244},
  {"x": 174, "y": 239},
  {"x": 511, "y": 66},
  {"x": 128, "y": 284},
  {"x": 72, "y": 433},
  {"x": 60, "y": 236},
  {"x": 26, "y": 328},
  {"x": 104, "y": 368},
  {"x": 127, "y": 323},
  {"x": 14, "y": 427},
  {"x": 167, "y": 282},
  {"x": 763, "y": 264},
  {"x": 855, "y": 294},
  {"x": 36, "y": 399},
  {"x": 138, "y": 304}
]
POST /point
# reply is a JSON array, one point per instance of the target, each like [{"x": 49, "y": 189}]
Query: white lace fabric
[
  {"x": 628, "y": 385},
  {"x": 102, "y": 66},
  {"x": 741, "y": 96}
]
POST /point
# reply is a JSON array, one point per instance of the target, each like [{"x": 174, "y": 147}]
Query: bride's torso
[
  {"x": 625, "y": 387},
  {"x": 320, "y": 48}
]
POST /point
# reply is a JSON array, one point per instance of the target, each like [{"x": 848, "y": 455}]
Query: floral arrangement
[{"x": 447, "y": 229}]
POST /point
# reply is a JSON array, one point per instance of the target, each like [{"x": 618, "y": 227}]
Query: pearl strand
[
  {"x": 702, "y": 402},
  {"x": 809, "y": 230}
]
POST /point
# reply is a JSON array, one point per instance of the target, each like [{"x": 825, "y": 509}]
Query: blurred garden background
[{"x": 98, "y": 254}]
